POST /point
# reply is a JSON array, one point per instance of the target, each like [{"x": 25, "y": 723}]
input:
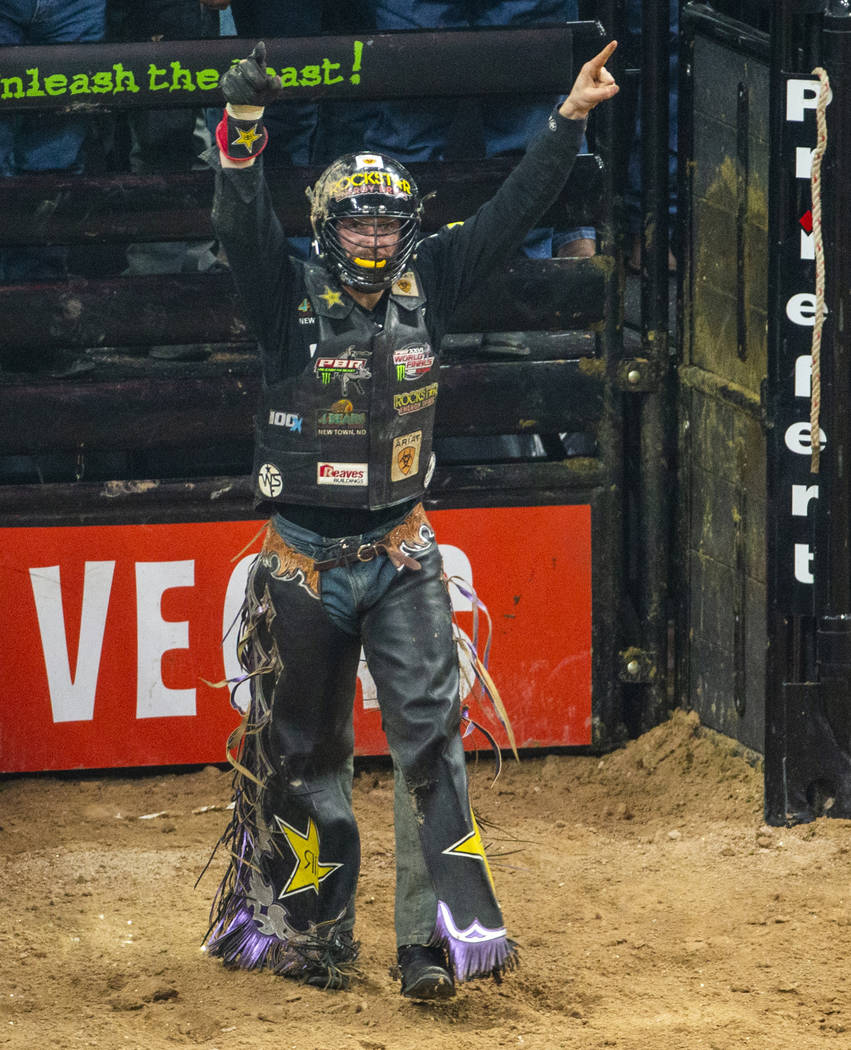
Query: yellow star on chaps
[
  {"x": 471, "y": 846},
  {"x": 309, "y": 870},
  {"x": 246, "y": 137}
]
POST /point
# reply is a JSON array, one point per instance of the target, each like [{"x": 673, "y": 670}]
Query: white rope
[{"x": 818, "y": 246}]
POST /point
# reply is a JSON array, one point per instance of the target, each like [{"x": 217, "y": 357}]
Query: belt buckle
[{"x": 369, "y": 548}]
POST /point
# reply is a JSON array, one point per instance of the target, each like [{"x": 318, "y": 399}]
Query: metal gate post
[
  {"x": 808, "y": 728},
  {"x": 833, "y": 535},
  {"x": 649, "y": 374}
]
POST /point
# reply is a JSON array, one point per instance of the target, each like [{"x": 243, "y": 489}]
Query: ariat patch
[{"x": 406, "y": 456}]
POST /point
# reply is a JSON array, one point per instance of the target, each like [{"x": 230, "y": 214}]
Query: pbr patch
[
  {"x": 347, "y": 474},
  {"x": 270, "y": 481},
  {"x": 406, "y": 456},
  {"x": 330, "y": 368},
  {"x": 412, "y": 362}
]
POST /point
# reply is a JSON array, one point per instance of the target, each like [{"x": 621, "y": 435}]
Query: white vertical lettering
[
  {"x": 808, "y": 245},
  {"x": 798, "y": 438},
  {"x": 155, "y": 636},
  {"x": 803, "y": 375},
  {"x": 72, "y": 698},
  {"x": 801, "y": 95},
  {"x": 803, "y": 162},
  {"x": 233, "y": 602},
  {"x": 801, "y": 309},
  {"x": 803, "y": 563},
  {"x": 801, "y": 496}
]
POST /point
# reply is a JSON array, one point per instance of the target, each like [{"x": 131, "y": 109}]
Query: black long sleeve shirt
[{"x": 448, "y": 264}]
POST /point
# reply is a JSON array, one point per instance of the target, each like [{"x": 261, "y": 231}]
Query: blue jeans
[
  {"x": 345, "y": 593},
  {"x": 43, "y": 141},
  {"x": 46, "y": 141}
]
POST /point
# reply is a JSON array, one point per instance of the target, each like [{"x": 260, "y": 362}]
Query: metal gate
[{"x": 764, "y": 537}]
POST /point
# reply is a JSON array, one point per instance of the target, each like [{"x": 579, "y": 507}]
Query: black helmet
[{"x": 371, "y": 187}]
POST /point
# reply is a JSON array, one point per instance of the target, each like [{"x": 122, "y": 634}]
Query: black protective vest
[{"x": 354, "y": 428}]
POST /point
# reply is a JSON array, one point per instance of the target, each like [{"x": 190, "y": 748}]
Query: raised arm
[
  {"x": 248, "y": 87},
  {"x": 463, "y": 254}
]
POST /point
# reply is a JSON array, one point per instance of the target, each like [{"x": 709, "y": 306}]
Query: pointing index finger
[
  {"x": 600, "y": 59},
  {"x": 259, "y": 54}
]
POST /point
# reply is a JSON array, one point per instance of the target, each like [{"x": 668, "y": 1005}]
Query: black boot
[{"x": 425, "y": 972}]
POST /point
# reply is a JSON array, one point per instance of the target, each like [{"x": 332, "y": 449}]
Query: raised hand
[
  {"x": 249, "y": 83},
  {"x": 593, "y": 85}
]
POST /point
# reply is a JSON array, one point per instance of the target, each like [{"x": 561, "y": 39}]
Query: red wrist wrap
[{"x": 241, "y": 139}]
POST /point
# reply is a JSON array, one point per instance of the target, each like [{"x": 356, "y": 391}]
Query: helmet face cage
[{"x": 370, "y": 188}]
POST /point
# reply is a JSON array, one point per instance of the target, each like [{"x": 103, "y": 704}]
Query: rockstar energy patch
[
  {"x": 406, "y": 456},
  {"x": 415, "y": 400}
]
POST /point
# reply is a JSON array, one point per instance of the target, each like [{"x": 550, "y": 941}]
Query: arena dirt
[{"x": 654, "y": 909}]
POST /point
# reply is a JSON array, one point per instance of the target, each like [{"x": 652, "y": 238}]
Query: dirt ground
[{"x": 653, "y": 908}]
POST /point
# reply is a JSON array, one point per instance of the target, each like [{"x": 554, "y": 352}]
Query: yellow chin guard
[{"x": 370, "y": 264}]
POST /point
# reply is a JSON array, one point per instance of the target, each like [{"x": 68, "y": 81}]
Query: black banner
[
  {"x": 797, "y": 488},
  {"x": 83, "y": 77}
]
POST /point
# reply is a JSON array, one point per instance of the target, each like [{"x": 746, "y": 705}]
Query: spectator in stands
[
  {"x": 41, "y": 142},
  {"x": 292, "y": 125},
  {"x": 166, "y": 140},
  {"x": 455, "y": 129},
  {"x": 349, "y": 346}
]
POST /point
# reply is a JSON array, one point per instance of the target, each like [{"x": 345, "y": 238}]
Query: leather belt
[{"x": 349, "y": 555}]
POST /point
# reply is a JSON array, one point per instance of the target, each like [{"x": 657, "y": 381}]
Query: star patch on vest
[{"x": 331, "y": 298}]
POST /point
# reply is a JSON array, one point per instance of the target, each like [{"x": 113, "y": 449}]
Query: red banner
[{"x": 111, "y": 636}]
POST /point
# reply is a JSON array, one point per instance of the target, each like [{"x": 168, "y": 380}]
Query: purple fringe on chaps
[{"x": 475, "y": 951}]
